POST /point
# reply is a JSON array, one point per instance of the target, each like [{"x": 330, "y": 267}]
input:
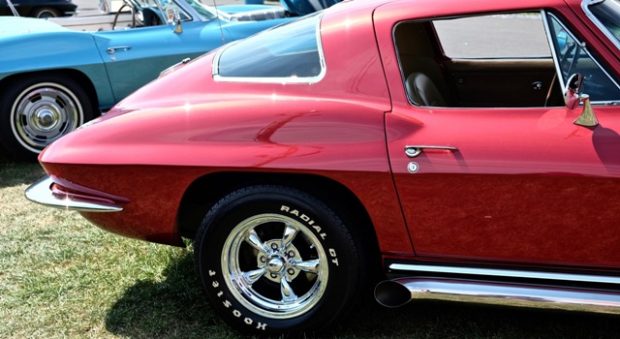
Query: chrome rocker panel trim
[
  {"x": 421, "y": 268},
  {"x": 41, "y": 193},
  {"x": 395, "y": 293}
]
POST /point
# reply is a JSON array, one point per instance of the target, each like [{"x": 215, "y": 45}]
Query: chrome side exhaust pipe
[{"x": 396, "y": 293}]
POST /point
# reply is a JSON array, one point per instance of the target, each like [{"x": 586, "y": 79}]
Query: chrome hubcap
[
  {"x": 45, "y": 119},
  {"x": 43, "y": 113},
  {"x": 275, "y": 266}
]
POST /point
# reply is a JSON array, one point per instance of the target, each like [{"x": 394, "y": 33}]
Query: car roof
[
  {"x": 421, "y": 9},
  {"x": 479, "y": 5},
  {"x": 447, "y": 7}
]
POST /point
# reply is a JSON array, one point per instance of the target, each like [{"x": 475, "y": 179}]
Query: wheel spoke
[
  {"x": 289, "y": 235},
  {"x": 254, "y": 240},
  {"x": 308, "y": 266},
  {"x": 251, "y": 277},
  {"x": 287, "y": 291}
]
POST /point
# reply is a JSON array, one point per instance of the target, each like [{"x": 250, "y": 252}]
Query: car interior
[
  {"x": 434, "y": 77},
  {"x": 147, "y": 13}
]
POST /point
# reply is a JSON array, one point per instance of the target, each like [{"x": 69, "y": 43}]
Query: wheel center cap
[
  {"x": 45, "y": 118},
  {"x": 275, "y": 265}
]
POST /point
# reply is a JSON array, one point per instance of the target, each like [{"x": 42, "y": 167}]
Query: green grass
[{"x": 62, "y": 277}]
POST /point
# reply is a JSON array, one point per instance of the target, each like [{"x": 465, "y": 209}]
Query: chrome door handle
[
  {"x": 413, "y": 151},
  {"x": 112, "y": 50}
]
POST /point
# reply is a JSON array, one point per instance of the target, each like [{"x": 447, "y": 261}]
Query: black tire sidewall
[
  {"x": 343, "y": 277},
  {"x": 10, "y": 92},
  {"x": 37, "y": 12}
]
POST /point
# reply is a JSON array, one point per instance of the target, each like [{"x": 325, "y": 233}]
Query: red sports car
[{"x": 465, "y": 150}]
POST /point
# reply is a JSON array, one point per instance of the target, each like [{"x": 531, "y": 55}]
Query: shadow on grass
[
  {"x": 176, "y": 307},
  {"x": 15, "y": 173},
  {"x": 172, "y": 308}
]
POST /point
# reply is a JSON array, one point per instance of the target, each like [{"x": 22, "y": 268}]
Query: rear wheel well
[
  {"x": 206, "y": 191},
  {"x": 75, "y": 75}
]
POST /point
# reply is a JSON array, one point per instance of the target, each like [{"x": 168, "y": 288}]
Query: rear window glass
[
  {"x": 287, "y": 51},
  {"x": 608, "y": 13}
]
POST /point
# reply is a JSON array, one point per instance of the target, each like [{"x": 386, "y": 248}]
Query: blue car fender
[{"x": 56, "y": 51}]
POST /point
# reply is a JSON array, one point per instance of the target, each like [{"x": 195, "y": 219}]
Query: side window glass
[
  {"x": 172, "y": 10},
  {"x": 497, "y": 60},
  {"x": 573, "y": 57},
  {"x": 493, "y": 36}
]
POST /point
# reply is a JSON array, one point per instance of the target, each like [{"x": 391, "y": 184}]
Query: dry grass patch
[{"x": 62, "y": 277}]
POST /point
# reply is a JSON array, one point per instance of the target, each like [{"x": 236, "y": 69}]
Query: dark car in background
[{"x": 38, "y": 8}]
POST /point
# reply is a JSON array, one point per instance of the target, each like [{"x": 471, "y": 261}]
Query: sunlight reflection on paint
[{"x": 347, "y": 23}]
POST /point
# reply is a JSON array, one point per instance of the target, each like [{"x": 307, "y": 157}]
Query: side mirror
[
  {"x": 174, "y": 18},
  {"x": 573, "y": 96},
  {"x": 572, "y": 92},
  {"x": 178, "y": 28}
]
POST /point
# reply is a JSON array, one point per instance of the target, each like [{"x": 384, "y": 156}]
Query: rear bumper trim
[{"x": 41, "y": 192}]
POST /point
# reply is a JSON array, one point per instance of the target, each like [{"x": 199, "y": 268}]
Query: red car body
[{"x": 517, "y": 188}]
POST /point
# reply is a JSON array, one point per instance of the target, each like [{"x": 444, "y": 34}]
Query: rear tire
[
  {"x": 45, "y": 12},
  {"x": 273, "y": 259},
  {"x": 37, "y": 110}
]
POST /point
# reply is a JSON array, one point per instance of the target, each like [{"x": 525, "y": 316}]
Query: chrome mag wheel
[
  {"x": 274, "y": 266},
  {"x": 43, "y": 113},
  {"x": 274, "y": 259}
]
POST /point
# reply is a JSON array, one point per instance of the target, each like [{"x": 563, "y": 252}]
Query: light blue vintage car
[{"x": 53, "y": 79}]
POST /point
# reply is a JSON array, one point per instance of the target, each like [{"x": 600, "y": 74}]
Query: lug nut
[
  {"x": 274, "y": 246},
  {"x": 263, "y": 259},
  {"x": 291, "y": 254},
  {"x": 273, "y": 275},
  {"x": 291, "y": 271}
]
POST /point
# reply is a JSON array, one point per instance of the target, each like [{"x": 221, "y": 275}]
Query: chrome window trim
[
  {"x": 189, "y": 10},
  {"x": 554, "y": 55},
  {"x": 274, "y": 80},
  {"x": 12, "y": 7},
  {"x": 597, "y": 22},
  {"x": 504, "y": 273},
  {"x": 217, "y": 14},
  {"x": 556, "y": 60}
]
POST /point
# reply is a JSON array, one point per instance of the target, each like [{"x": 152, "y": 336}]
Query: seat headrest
[{"x": 422, "y": 91}]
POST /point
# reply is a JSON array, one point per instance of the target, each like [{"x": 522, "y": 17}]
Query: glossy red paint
[
  {"x": 526, "y": 186},
  {"x": 150, "y": 147}
]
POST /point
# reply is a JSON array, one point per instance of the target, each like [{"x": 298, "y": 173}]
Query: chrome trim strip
[
  {"x": 597, "y": 22},
  {"x": 41, "y": 193},
  {"x": 505, "y": 273},
  {"x": 585, "y": 48},
  {"x": 395, "y": 293},
  {"x": 12, "y": 7},
  {"x": 273, "y": 80},
  {"x": 554, "y": 55}
]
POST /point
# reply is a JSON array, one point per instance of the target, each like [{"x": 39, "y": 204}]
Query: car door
[
  {"x": 520, "y": 185},
  {"x": 134, "y": 57}
]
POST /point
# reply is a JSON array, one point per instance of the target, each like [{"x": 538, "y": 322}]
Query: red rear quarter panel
[{"x": 155, "y": 143}]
